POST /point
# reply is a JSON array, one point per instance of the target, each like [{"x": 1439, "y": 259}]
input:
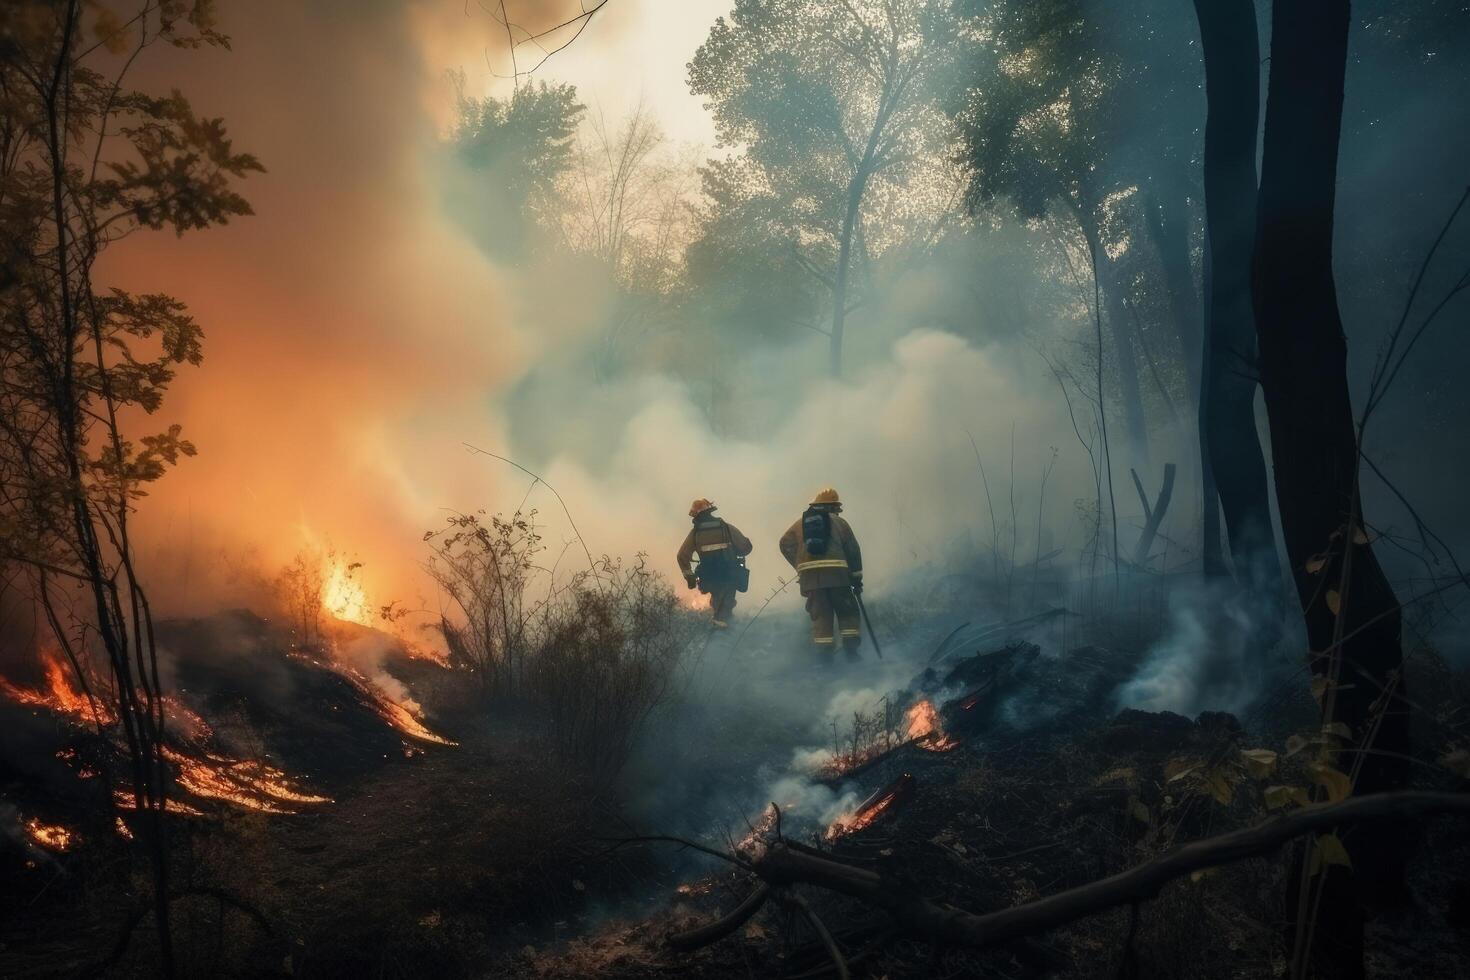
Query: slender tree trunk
[
  {"x": 1351, "y": 613},
  {"x": 1168, "y": 224},
  {"x": 1212, "y": 555},
  {"x": 1227, "y": 376},
  {"x": 844, "y": 263},
  {"x": 1119, "y": 327}
]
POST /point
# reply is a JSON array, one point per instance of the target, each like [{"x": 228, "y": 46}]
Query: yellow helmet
[
  {"x": 827, "y": 495},
  {"x": 699, "y": 506}
]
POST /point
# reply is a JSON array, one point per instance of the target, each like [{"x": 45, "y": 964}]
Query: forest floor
[{"x": 482, "y": 860}]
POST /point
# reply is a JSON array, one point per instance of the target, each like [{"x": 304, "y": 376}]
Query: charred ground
[{"x": 482, "y": 858}]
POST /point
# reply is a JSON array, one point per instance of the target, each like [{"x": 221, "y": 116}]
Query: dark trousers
[{"x": 825, "y": 605}]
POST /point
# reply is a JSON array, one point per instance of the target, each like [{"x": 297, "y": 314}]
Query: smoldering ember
[{"x": 734, "y": 488}]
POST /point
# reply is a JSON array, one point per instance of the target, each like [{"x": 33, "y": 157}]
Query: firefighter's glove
[
  {"x": 857, "y": 586},
  {"x": 689, "y": 579}
]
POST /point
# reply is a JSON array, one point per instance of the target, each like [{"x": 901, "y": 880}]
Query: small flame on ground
[
  {"x": 865, "y": 817},
  {"x": 51, "y": 836},
  {"x": 125, "y": 800},
  {"x": 59, "y": 695},
  {"x": 923, "y": 723},
  {"x": 396, "y": 715},
  {"x": 694, "y": 600},
  {"x": 248, "y": 783},
  {"x": 121, "y": 828}
]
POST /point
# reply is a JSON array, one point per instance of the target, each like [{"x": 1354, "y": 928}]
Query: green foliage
[
  {"x": 844, "y": 155},
  {"x": 85, "y": 162},
  {"x": 506, "y": 157}
]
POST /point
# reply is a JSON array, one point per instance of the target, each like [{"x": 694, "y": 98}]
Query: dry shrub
[
  {"x": 590, "y": 657},
  {"x": 486, "y": 570},
  {"x": 605, "y": 657}
]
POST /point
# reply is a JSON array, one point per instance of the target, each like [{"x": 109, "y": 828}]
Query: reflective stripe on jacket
[
  {"x": 713, "y": 539},
  {"x": 833, "y": 569}
]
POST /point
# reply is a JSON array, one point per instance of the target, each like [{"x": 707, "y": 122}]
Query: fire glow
[
  {"x": 51, "y": 836},
  {"x": 59, "y": 696},
  {"x": 343, "y": 596},
  {"x": 244, "y": 783},
  {"x": 398, "y": 717},
  {"x": 884, "y": 801},
  {"x": 925, "y": 730}
]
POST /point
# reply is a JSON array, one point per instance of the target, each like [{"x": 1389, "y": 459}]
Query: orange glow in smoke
[{"x": 343, "y": 597}]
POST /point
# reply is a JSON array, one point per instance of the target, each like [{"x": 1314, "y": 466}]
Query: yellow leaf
[
  {"x": 1319, "y": 687},
  {"x": 1327, "y": 851},
  {"x": 1260, "y": 763},
  {"x": 1338, "y": 728},
  {"x": 1202, "y": 874},
  {"x": 1334, "y": 601},
  {"x": 1315, "y": 565},
  {"x": 1359, "y": 535},
  {"x": 1221, "y": 784},
  {"x": 1295, "y": 743},
  {"x": 1280, "y": 796},
  {"x": 1457, "y": 762},
  {"x": 1336, "y": 784},
  {"x": 1139, "y": 811},
  {"x": 1187, "y": 771}
]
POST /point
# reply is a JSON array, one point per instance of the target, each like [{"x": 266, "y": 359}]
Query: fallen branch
[
  {"x": 830, "y": 944},
  {"x": 723, "y": 926},
  {"x": 784, "y": 865}
]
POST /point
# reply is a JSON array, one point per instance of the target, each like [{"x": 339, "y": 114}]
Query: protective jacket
[
  {"x": 837, "y": 567},
  {"x": 717, "y": 542}
]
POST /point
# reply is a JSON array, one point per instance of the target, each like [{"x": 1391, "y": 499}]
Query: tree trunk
[
  {"x": 1227, "y": 398},
  {"x": 1351, "y": 613},
  {"x": 1115, "y": 315},
  {"x": 1167, "y": 209},
  {"x": 1120, "y": 327},
  {"x": 1212, "y": 556},
  {"x": 844, "y": 262}
]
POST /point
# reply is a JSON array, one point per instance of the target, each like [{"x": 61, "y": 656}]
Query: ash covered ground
[{"x": 1011, "y": 767}]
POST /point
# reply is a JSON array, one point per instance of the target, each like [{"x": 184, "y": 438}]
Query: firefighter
[
  {"x": 721, "y": 571},
  {"x": 824, "y": 552}
]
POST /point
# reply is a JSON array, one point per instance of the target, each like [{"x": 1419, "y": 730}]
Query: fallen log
[
  {"x": 784, "y": 864},
  {"x": 725, "y": 924},
  {"x": 881, "y": 801}
]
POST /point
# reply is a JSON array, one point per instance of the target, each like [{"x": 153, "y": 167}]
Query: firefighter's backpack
[{"x": 816, "y": 530}]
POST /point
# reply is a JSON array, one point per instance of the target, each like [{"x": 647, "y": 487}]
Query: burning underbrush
[
  {"x": 1044, "y": 786},
  {"x": 250, "y": 724}
]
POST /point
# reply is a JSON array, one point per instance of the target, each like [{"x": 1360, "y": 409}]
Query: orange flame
[
  {"x": 923, "y": 723},
  {"x": 865, "y": 817},
  {"x": 397, "y": 716},
  {"x": 247, "y": 783},
  {"x": 51, "y": 836},
  {"x": 343, "y": 596},
  {"x": 59, "y": 695}
]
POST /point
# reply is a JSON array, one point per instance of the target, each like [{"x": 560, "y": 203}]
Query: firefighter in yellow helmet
[
  {"x": 824, "y": 552},
  {"x": 721, "y": 572}
]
